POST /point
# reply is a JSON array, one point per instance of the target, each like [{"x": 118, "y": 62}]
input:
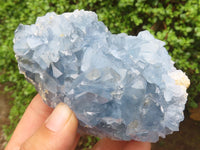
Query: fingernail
[{"x": 58, "y": 117}]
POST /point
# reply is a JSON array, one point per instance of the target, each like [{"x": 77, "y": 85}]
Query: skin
[{"x": 40, "y": 128}]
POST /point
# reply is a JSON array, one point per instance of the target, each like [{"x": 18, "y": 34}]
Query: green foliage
[{"x": 175, "y": 22}]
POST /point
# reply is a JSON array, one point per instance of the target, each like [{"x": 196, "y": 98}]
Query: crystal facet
[{"x": 119, "y": 86}]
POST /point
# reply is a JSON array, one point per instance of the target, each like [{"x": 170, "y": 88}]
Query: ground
[
  {"x": 188, "y": 138},
  {"x": 4, "y": 112}
]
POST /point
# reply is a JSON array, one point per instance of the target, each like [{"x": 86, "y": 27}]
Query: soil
[
  {"x": 4, "y": 112},
  {"x": 188, "y": 138}
]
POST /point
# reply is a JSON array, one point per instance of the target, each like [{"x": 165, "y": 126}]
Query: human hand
[{"x": 42, "y": 128}]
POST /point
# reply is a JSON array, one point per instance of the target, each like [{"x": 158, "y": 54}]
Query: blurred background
[{"x": 177, "y": 22}]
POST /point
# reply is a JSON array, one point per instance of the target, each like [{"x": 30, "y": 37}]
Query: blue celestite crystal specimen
[{"x": 119, "y": 86}]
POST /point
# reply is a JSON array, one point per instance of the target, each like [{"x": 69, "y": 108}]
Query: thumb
[{"x": 58, "y": 132}]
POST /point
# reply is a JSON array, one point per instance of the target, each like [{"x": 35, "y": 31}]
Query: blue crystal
[{"x": 119, "y": 86}]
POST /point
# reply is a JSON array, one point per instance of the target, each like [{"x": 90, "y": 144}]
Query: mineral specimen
[{"x": 119, "y": 86}]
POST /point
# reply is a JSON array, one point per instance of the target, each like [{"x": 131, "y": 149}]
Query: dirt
[
  {"x": 4, "y": 112},
  {"x": 195, "y": 113}
]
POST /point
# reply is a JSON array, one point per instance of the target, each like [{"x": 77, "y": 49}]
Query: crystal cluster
[{"x": 119, "y": 86}]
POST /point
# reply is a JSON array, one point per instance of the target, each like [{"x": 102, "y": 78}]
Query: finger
[
  {"x": 59, "y": 132},
  {"x": 109, "y": 144},
  {"x": 76, "y": 141},
  {"x": 35, "y": 114},
  {"x": 137, "y": 146}
]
